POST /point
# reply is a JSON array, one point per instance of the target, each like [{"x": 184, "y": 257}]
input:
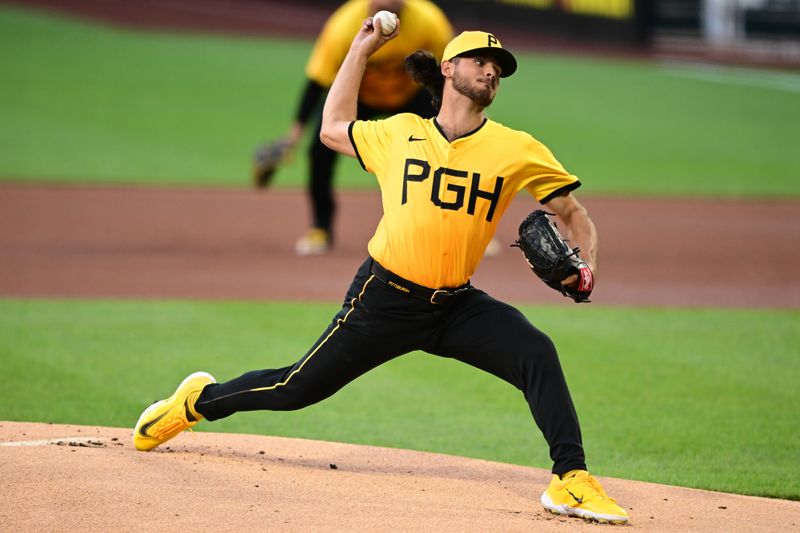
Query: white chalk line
[
  {"x": 64, "y": 441},
  {"x": 764, "y": 79}
]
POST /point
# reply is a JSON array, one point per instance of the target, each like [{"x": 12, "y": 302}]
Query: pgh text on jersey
[{"x": 418, "y": 170}]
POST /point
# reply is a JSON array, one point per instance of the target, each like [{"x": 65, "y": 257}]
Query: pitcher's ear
[{"x": 447, "y": 68}]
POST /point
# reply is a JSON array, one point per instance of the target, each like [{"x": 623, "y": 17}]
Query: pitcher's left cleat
[
  {"x": 579, "y": 494},
  {"x": 166, "y": 419}
]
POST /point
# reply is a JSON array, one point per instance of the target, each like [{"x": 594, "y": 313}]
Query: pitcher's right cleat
[
  {"x": 579, "y": 494},
  {"x": 165, "y": 419}
]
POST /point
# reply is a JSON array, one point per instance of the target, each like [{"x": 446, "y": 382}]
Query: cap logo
[{"x": 480, "y": 42}]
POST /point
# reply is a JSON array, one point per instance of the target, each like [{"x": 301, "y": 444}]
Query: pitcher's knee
[{"x": 540, "y": 356}]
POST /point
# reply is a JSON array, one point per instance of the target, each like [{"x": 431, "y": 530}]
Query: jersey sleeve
[
  {"x": 547, "y": 178},
  {"x": 372, "y": 140},
  {"x": 332, "y": 45}
]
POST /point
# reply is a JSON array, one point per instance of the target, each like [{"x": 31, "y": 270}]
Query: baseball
[{"x": 388, "y": 21}]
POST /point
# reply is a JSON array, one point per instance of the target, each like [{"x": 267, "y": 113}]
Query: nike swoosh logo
[
  {"x": 579, "y": 500},
  {"x": 145, "y": 427},
  {"x": 411, "y": 138}
]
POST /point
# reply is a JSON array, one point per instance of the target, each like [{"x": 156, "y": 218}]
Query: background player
[
  {"x": 445, "y": 182},
  {"x": 385, "y": 89}
]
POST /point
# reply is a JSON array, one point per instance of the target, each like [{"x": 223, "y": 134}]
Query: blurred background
[
  {"x": 669, "y": 73},
  {"x": 134, "y": 248},
  {"x": 650, "y": 103},
  {"x": 761, "y": 31}
]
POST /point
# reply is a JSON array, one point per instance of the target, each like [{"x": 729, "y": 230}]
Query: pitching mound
[{"x": 69, "y": 478}]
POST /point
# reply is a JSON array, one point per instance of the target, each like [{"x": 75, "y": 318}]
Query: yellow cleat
[
  {"x": 579, "y": 494},
  {"x": 316, "y": 242},
  {"x": 165, "y": 419}
]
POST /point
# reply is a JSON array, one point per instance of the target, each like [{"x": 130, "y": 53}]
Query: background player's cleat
[
  {"x": 316, "y": 242},
  {"x": 492, "y": 249},
  {"x": 167, "y": 418},
  {"x": 579, "y": 494}
]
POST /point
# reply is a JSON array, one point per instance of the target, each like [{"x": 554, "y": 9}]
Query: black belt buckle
[{"x": 439, "y": 296}]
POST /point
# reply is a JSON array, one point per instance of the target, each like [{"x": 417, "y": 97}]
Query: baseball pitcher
[{"x": 445, "y": 183}]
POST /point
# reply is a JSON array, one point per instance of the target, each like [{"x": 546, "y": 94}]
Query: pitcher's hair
[{"x": 424, "y": 69}]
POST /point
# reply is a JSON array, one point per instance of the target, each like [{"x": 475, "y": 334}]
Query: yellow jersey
[
  {"x": 442, "y": 200},
  {"x": 385, "y": 85}
]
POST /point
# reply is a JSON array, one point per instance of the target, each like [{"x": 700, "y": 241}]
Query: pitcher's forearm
[
  {"x": 585, "y": 235},
  {"x": 579, "y": 226},
  {"x": 342, "y": 103}
]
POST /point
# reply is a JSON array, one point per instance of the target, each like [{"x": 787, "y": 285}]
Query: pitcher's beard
[{"x": 481, "y": 95}]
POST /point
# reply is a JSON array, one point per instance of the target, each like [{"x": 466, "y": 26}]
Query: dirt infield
[
  {"x": 238, "y": 244},
  {"x": 96, "y": 481}
]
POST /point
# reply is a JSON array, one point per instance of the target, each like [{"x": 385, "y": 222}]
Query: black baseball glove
[
  {"x": 551, "y": 259},
  {"x": 266, "y": 160}
]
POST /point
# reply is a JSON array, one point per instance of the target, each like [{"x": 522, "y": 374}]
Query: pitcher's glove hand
[
  {"x": 266, "y": 160},
  {"x": 551, "y": 259}
]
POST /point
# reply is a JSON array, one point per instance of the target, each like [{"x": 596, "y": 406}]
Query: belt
[{"x": 434, "y": 296}]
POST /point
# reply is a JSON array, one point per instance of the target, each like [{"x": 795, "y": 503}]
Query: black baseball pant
[{"x": 378, "y": 323}]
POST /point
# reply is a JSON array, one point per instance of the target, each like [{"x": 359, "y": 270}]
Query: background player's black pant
[
  {"x": 378, "y": 323},
  {"x": 323, "y": 159}
]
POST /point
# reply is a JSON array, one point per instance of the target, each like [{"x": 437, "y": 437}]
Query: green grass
[
  {"x": 84, "y": 102},
  {"x": 698, "y": 398}
]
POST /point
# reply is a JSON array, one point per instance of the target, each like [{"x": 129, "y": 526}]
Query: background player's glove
[
  {"x": 551, "y": 259},
  {"x": 266, "y": 160}
]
